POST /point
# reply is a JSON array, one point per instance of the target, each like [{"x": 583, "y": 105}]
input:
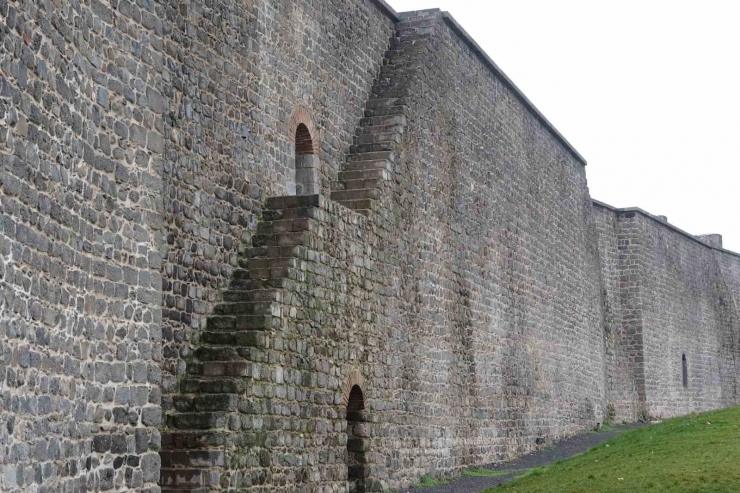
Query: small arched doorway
[
  {"x": 304, "y": 135},
  {"x": 357, "y": 442}
]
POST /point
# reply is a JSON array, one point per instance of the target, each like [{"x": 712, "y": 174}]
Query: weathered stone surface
[
  {"x": 169, "y": 318},
  {"x": 665, "y": 298},
  {"x": 74, "y": 211}
]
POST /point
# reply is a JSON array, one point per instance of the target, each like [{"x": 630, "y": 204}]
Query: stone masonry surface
[{"x": 186, "y": 306}]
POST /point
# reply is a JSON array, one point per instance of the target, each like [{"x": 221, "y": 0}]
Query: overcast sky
[{"x": 648, "y": 91}]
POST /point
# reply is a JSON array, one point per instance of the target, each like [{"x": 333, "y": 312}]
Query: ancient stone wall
[
  {"x": 238, "y": 72},
  {"x": 81, "y": 143},
  {"x": 686, "y": 313},
  {"x": 170, "y": 315},
  {"x": 446, "y": 305},
  {"x": 501, "y": 346},
  {"x": 622, "y": 326},
  {"x": 677, "y": 297}
]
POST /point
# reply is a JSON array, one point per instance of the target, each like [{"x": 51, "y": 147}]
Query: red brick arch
[
  {"x": 303, "y": 132},
  {"x": 354, "y": 378}
]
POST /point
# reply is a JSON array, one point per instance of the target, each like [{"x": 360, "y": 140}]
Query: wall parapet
[
  {"x": 663, "y": 223},
  {"x": 387, "y": 9}
]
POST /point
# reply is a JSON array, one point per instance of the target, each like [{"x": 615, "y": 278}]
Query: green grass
[
  {"x": 601, "y": 428},
  {"x": 606, "y": 427},
  {"x": 485, "y": 473},
  {"x": 428, "y": 481},
  {"x": 694, "y": 454}
]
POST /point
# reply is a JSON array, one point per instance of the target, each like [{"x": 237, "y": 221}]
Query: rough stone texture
[
  {"x": 169, "y": 314},
  {"x": 667, "y": 295},
  {"x": 501, "y": 346},
  {"x": 236, "y": 72},
  {"x": 625, "y": 375},
  {"x": 80, "y": 267}
]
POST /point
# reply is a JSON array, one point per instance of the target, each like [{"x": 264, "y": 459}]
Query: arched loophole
[
  {"x": 306, "y": 162},
  {"x": 358, "y": 436},
  {"x": 356, "y": 400},
  {"x": 303, "y": 141},
  {"x": 684, "y": 370}
]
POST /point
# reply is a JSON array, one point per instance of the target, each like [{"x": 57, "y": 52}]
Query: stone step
[
  {"x": 355, "y": 195},
  {"x": 295, "y": 201},
  {"x": 415, "y": 14},
  {"x": 213, "y": 385},
  {"x": 409, "y": 39},
  {"x": 369, "y": 166},
  {"x": 416, "y": 22},
  {"x": 221, "y": 369},
  {"x": 378, "y": 138},
  {"x": 383, "y": 91},
  {"x": 259, "y": 263},
  {"x": 219, "y": 352},
  {"x": 373, "y": 156},
  {"x": 260, "y": 284},
  {"x": 188, "y": 479},
  {"x": 281, "y": 239},
  {"x": 384, "y": 121},
  {"x": 238, "y": 274},
  {"x": 252, "y": 296},
  {"x": 381, "y": 129},
  {"x": 276, "y": 273},
  {"x": 418, "y": 51},
  {"x": 374, "y": 104},
  {"x": 198, "y": 421},
  {"x": 395, "y": 76},
  {"x": 242, "y": 322},
  {"x": 289, "y": 213},
  {"x": 248, "y": 308},
  {"x": 360, "y": 206},
  {"x": 192, "y": 458},
  {"x": 374, "y": 147},
  {"x": 398, "y": 71},
  {"x": 364, "y": 174},
  {"x": 273, "y": 251},
  {"x": 208, "y": 402},
  {"x": 235, "y": 340},
  {"x": 402, "y": 62},
  {"x": 193, "y": 439},
  {"x": 284, "y": 225},
  {"x": 386, "y": 86},
  {"x": 385, "y": 110},
  {"x": 363, "y": 184}
]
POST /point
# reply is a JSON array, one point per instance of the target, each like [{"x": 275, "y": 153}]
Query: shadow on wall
[{"x": 358, "y": 470}]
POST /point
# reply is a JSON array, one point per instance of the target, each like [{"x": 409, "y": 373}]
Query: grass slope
[{"x": 696, "y": 454}]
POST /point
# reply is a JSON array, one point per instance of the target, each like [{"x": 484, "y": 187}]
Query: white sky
[{"x": 648, "y": 91}]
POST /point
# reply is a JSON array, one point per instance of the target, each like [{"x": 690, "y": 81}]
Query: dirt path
[{"x": 558, "y": 451}]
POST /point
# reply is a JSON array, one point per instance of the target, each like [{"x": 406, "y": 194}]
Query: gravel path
[{"x": 558, "y": 451}]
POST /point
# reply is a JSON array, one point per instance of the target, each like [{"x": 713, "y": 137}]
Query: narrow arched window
[
  {"x": 306, "y": 162},
  {"x": 685, "y": 370},
  {"x": 357, "y": 442},
  {"x": 303, "y": 141}
]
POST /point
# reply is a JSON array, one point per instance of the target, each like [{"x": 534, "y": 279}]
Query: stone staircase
[
  {"x": 372, "y": 158},
  {"x": 203, "y": 424},
  {"x": 203, "y": 427}
]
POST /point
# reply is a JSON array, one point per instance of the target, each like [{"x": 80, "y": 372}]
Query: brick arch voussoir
[
  {"x": 354, "y": 378},
  {"x": 302, "y": 115}
]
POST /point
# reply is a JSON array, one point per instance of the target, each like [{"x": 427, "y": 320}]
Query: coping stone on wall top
[{"x": 663, "y": 223}]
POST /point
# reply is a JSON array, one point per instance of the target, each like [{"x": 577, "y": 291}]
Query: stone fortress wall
[
  {"x": 442, "y": 292},
  {"x": 669, "y": 298}
]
